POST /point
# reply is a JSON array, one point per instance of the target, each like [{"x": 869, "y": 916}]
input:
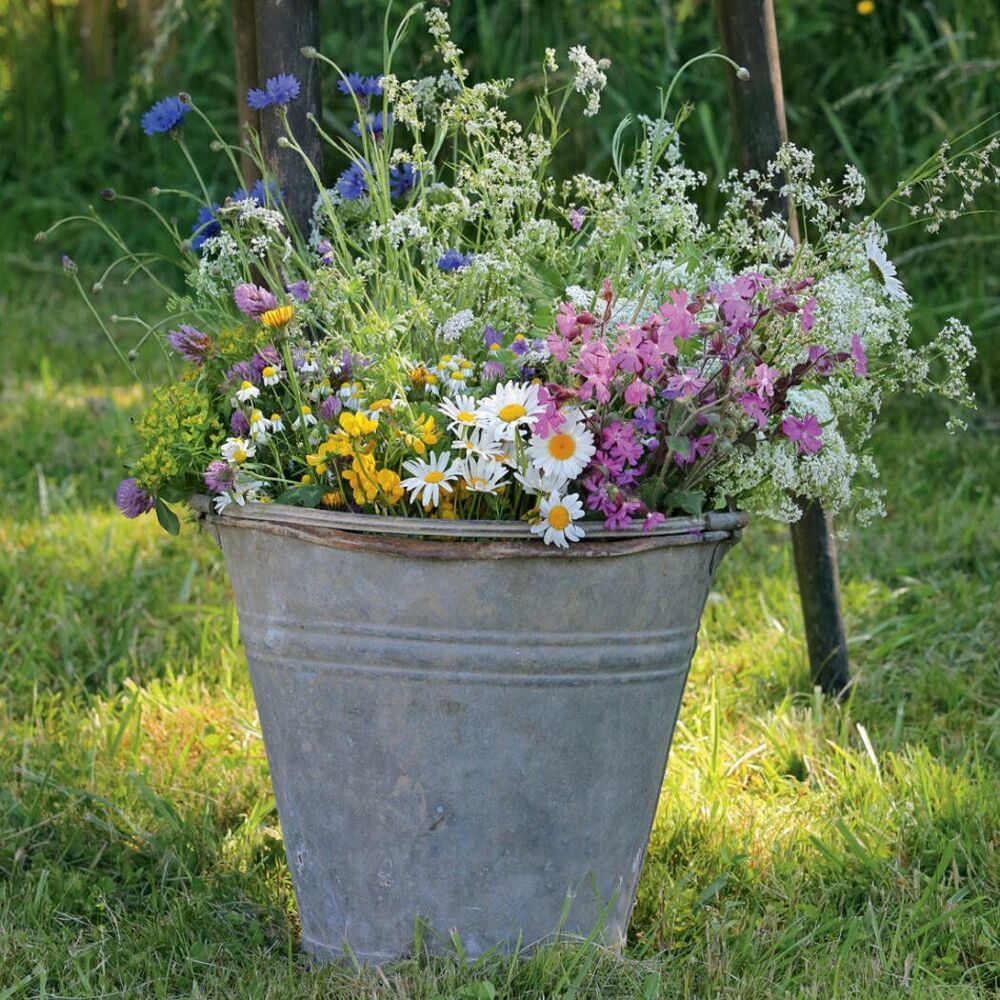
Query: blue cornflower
[
  {"x": 402, "y": 179},
  {"x": 281, "y": 89},
  {"x": 376, "y": 124},
  {"x": 362, "y": 87},
  {"x": 353, "y": 182},
  {"x": 454, "y": 260},
  {"x": 164, "y": 116},
  {"x": 206, "y": 227}
]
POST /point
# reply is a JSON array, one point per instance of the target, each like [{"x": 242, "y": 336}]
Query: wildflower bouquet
[{"x": 462, "y": 335}]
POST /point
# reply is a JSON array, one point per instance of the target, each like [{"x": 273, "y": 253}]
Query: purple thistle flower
[
  {"x": 281, "y": 89},
  {"x": 131, "y": 499},
  {"x": 164, "y": 116},
  {"x": 253, "y": 300},
  {"x": 220, "y": 476},
  {"x": 806, "y": 433},
  {"x": 238, "y": 424},
  {"x": 191, "y": 344},
  {"x": 206, "y": 227},
  {"x": 454, "y": 260},
  {"x": 299, "y": 290}
]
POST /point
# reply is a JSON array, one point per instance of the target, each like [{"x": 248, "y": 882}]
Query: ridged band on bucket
[{"x": 464, "y": 732}]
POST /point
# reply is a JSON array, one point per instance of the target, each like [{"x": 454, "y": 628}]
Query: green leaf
[
  {"x": 167, "y": 518},
  {"x": 308, "y": 495},
  {"x": 689, "y": 501},
  {"x": 678, "y": 443}
]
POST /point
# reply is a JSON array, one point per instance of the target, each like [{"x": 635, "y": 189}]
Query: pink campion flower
[
  {"x": 808, "y": 317},
  {"x": 679, "y": 321},
  {"x": 550, "y": 419},
  {"x": 595, "y": 367},
  {"x": 755, "y": 408},
  {"x": 819, "y": 358},
  {"x": 685, "y": 385},
  {"x": 608, "y": 294},
  {"x": 253, "y": 300},
  {"x": 763, "y": 379},
  {"x": 637, "y": 392},
  {"x": 627, "y": 356},
  {"x": 860, "y": 358},
  {"x": 619, "y": 441},
  {"x": 653, "y": 520},
  {"x": 576, "y": 217},
  {"x": 806, "y": 433}
]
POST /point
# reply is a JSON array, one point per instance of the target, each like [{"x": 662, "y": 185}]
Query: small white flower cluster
[{"x": 590, "y": 79}]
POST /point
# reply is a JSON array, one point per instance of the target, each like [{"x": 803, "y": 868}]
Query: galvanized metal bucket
[{"x": 464, "y": 727}]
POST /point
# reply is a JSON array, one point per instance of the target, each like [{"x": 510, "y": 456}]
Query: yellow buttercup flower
[
  {"x": 356, "y": 424},
  {"x": 388, "y": 482},
  {"x": 278, "y": 316},
  {"x": 333, "y": 499},
  {"x": 865, "y": 7}
]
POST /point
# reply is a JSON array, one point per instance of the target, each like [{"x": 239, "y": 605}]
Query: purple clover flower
[
  {"x": 165, "y": 116},
  {"x": 191, "y": 344},
  {"x": 253, "y": 300},
  {"x": 131, "y": 499},
  {"x": 454, "y": 260},
  {"x": 493, "y": 371},
  {"x": 330, "y": 407},
  {"x": 265, "y": 356},
  {"x": 281, "y": 89},
  {"x": 239, "y": 426},
  {"x": 220, "y": 476}
]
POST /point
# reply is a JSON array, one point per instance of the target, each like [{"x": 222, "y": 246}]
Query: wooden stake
[
  {"x": 283, "y": 28},
  {"x": 245, "y": 46},
  {"x": 749, "y": 38}
]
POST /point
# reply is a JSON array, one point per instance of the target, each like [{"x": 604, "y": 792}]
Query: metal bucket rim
[{"x": 434, "y": 538}]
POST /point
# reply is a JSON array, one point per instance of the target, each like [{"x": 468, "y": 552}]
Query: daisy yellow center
[
  {"x": 433, "y": 477},
  {"x": 511, "y": 412},
  {"x": 246, "y": 385},
  {"x": 559, "y": 517},
  {"x": 268, "y": 371},
  {"x": 239, "y": 455},
  {"x": 562, "y": 446},
  {"x": 465, "y": 417}
]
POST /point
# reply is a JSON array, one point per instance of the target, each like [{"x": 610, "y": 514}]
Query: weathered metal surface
[{"x": 463, "y": 740}]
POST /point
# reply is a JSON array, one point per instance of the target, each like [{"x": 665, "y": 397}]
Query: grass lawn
[{"x": 802, "y": 848}]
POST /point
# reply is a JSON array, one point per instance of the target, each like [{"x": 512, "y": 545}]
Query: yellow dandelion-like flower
[
  {"x": 333, "y": 500},
  {"x": 278, "y": 316},
  {"x": 865, "y": 7}
]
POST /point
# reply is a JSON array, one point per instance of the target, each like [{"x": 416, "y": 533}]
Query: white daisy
[
  {"x": 538, "y": 483},
  {"x": 271, "y": 374},
  {"x": 305, "y": 418},
  {"x": 310, "y": 364},
  {"x": 463, "y": 412},
  {"x": 238, "y": 450},
  {"x": 479, "y": 442},
  {"x": 565, "y": 452},
  {"x": 884, "y": 270},
  {"x": 351, "y": 394},
  {"x": 277, "y": 423},
  {"x": 429, "y": 478},
  {"x": 247, "y": 391},
  {"x": 483, "y": 475},
  {"x": 558, "y": 514},
  {"x": 243, "y": 490},
  {"x": 513, "y": 405},
  {"x": 259, "y": 427}
]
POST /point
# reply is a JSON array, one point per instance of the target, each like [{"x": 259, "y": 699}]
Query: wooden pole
[
  {"x": 283, "y": 28},
  {"x": 750, "y": 38},
  {"x": 245, "y": 48}
]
